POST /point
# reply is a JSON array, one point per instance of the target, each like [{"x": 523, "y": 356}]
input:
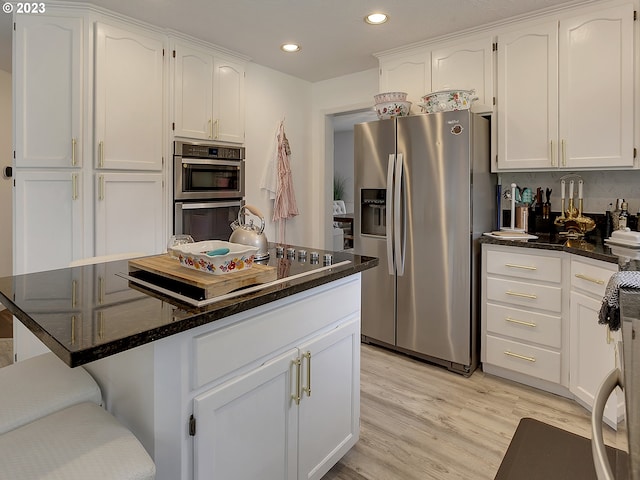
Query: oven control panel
[{"x": 203, "y": 150}]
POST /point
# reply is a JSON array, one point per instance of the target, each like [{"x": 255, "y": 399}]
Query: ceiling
[{"x": 334, "y": 38}]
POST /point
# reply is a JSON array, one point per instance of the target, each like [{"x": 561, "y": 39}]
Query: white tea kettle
[{"x": 250, "y": 234}]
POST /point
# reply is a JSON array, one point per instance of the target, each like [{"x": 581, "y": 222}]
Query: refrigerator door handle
[
  {"x": 399, "y": 235},
  {"x": 389, "y": 214}
]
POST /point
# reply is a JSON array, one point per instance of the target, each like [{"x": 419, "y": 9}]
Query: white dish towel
[{"x": 610, "y": 309}]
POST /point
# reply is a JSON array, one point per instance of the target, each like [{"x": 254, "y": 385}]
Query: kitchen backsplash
[{"x": 600, "y": 188}]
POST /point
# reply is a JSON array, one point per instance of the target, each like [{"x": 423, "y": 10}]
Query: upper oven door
[{"x": 198, "y": 179}]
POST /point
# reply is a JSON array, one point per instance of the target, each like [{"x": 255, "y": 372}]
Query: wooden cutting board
[{"x": 211, "y": 285}]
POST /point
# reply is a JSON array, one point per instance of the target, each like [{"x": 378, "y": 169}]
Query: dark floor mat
[{"x": 542, "y": 452}]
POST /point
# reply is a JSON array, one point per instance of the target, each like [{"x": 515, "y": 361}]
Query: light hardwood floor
[{"x": 422, "y": 422}]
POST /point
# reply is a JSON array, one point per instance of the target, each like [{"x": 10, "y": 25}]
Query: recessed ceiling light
[
  {"x": 376, "y": 18},
  {"x": 290, "y": 47}
]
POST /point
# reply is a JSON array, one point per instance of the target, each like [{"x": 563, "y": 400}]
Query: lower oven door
[{"x": 206, "y": 220}]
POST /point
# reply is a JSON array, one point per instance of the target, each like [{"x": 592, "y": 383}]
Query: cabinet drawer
[
  {"x": 524, "y": 325},
  {"x": 529, "y": 360},
  {"x": 522, "y": 265},
  {"x": 525, "y": 294},
  {"x": 281, "y": 323},
  {"x": 591, "y": 277}
]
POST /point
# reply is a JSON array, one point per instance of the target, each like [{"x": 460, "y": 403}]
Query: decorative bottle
[
  {"x": 624, "y": 216},
  {"x": 615, "y": 215}
]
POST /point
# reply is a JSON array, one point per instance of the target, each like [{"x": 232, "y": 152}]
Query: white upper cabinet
[
  {"x": 408, "y": 72},
  {"x": 466, "y": 66},
  {"x": 527, "y": 97},
  {"x": 193, "y": 80},
  {"x": 596, "y": 89},
  {"x": 208, "y": 95},
  {"x": 48, "y": 91},
  {"x": 565, "y": 93},
  {"x": 228, "y": 100},
  {"x": 129, "y": 99}
]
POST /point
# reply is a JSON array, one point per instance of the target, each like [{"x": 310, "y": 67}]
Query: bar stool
[
  {"x": 78, "y": 443},
  {"x": 41, "y": 385}
]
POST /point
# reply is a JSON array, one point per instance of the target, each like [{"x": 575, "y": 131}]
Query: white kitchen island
[{"x": 265, "y": 385}]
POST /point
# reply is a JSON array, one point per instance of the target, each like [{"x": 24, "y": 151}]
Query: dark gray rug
[{"x": 539, "y": 451}]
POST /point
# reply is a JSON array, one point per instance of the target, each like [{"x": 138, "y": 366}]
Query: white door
[
  {"x": 246, "y": 428},
  {"x": 593, "y": 354},
  {"x": 465, "y": 67},
  {"x": 193, "y": 90},
  {"x": 330, "y": 404},
  {"x": 527, "y": 98},
  {"x": 128, "y": 99},
  {"x": 129, "y": 213},
  {"x": 47, "y": 220},
  {"x": 228, "y": 101},
  {"x": 596, "y": 89},
  {"x": 407, "y": 73},
  {"x": 48, "y": 91}
]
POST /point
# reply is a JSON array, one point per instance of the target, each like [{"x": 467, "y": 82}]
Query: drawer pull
[
  {"x": 521, "y": 357},
  {"x": 518, "y": 294},
  {"x": 520, "y": 322},
  {"x": 590, "y": 279},
  {"x": 524, "y": 267}
]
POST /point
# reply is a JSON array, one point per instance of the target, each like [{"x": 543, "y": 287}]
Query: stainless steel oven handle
[
  {"x": 210, "y": 161},
  {"x": 201, "y": 205}
]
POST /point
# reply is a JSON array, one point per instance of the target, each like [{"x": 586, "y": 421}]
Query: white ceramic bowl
[
  {"x": 392, "y": 109},
  {"x": 194, "y": 255},
  {"x": 390, "y": 97},
  {"x": 447, "y": 100}
]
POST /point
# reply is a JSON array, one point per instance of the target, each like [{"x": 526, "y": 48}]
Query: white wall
[
  {"x": 272, "y": 96},
  {"x": 6, "y": 224},
  {"x": 337, "y": 95}
]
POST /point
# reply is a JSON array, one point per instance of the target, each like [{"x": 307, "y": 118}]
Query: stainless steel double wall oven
[{"x": 209, "y": 182}]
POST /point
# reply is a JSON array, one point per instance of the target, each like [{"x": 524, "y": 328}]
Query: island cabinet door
[
  {"x": 329, "y": 414},
  {"x": 247, "y": 427}
]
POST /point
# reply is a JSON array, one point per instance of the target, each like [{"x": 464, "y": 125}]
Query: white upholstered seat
[
  {"x": 41, "y": 385},
  {"x": 81, "y": 442}
]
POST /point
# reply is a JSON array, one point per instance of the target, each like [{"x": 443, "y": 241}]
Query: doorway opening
[{"x": 343, "y": 174}]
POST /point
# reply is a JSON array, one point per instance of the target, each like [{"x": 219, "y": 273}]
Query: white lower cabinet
[
  {"x": 224, "y": 395},
  {"x": 291, "y": 418},
  {"x": 523, "y": 311},
  {"x": 593, "y": 346},
  {"x": 540, "y": 323}
]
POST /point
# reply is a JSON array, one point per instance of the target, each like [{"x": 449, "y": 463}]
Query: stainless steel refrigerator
[{"x": 424, "y": 194}]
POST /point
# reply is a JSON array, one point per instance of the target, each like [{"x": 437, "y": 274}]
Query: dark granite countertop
[
  {"x": 80, "y": 320},
  {"x": 590, "y": 247}
]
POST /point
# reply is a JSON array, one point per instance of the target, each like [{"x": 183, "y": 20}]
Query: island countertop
[{"x": 90, "y": 312}]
